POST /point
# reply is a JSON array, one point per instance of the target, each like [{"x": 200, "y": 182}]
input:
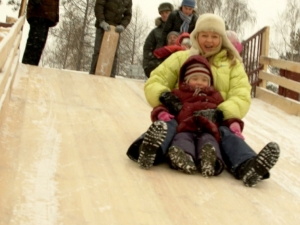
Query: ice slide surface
[{"x": 63, "y": 139}]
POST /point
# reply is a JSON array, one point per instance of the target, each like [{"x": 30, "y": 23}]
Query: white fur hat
[{"x": 211, "y": 22}]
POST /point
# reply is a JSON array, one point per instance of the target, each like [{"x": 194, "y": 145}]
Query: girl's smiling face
[
  {"x": 208, "y": 40},
  {"x": 199, "y": 81}
]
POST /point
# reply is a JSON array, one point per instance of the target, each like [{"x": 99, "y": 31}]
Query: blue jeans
[
  {"x": 234, "y": 150},
  {"x": 172, "y": 126}
]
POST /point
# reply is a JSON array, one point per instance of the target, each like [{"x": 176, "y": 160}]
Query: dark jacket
[
  {"x": 47, "y": 9},
  {"x": 207, "y": 98},
  {"x": 150, "y": 62},
  {"x": 174, "y": 23},
  {"x": 113, "y": 12}
]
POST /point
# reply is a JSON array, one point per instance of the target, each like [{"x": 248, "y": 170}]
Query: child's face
[
  {"x": 208, "y": 40},
  {"x": 198, "y": 81},
  {"x": 172, "y": 39},
  {"x": 186, "y": 43},
  {"x": 187, "y": 10}
]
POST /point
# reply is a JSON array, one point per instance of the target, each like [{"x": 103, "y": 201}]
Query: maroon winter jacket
[
  {"x": 47, "y": 9},
  {"x": 207, "y": 98}
]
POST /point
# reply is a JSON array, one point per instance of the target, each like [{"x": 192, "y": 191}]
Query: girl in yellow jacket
[{"x": 230, "y": 79}]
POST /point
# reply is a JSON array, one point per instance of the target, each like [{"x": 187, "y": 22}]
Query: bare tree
[
  {"x": 237, "y": 13},
  {"x": 71, "y": 42},
  {"x": 131, "y": 46},
  {"x": 14, "y": 3},
  {"x": 209, "y": 6},
  {"x": 287, "y": 42}
]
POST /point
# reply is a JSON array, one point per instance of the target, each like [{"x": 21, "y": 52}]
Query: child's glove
[
  {"x": 105, "y": 26},
  {"x": 165, "y": 116},
  {"x": 119, "y": 29},
  {"x": 214, "y": 115},
  {"x": 236, "y": 129},
  {"x": 171, "y": 102}
]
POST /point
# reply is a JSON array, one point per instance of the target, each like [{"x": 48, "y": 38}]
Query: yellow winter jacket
[{"x": 231, "y": 81}]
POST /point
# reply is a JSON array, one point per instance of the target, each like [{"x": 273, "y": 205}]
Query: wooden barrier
[
  {"x": 286, "y": 104},
  {"x": 9, "y": 56}
]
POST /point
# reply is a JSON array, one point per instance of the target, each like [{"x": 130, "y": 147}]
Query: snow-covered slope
[{"x": 63, "y": 139}]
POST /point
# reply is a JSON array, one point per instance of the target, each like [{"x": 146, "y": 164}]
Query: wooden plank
[
  {"x": 8, "y": 73},
  {"x": 288, "y": 105},
  {"x": 107, "y": 52},
  {"x": 5, "y": 97},
  {"x": 64, "y": 136},
  {"x": 22, "y": 9},
  {"x": 281, "y": 81},
  {"x": 280, "y": 63},
  {"x": 7, "y": 69},
  {"x": 7, "y": 43}
]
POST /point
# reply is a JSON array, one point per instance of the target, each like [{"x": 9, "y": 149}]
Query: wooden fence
[
  {"x": 287, "y": 104},
  {"x": 9, "y": 59},
  {"x": 257, "y": 63}
]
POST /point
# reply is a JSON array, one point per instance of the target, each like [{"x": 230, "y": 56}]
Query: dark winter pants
[
  {"x": 36, "y": 41},
  {"x": 234, "y": 150},
  {"x": 192, "y": 143},
  {"x": 97, "y": 47}
]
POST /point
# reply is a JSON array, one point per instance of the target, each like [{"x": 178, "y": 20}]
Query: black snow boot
[
  {"x": 257, "y": 168},
  {"x": 153, "y": 139},
  {"x": 181, "y": 161},
  {"x": 208, "y": 160}
]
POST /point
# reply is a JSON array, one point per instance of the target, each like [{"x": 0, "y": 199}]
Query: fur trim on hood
[{"x": 158, "y": 21}]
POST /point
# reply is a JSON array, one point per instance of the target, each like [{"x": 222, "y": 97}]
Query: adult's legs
[
  {"x": 243, "y": 162},
  {"x": 97, "y": 46},
  {"x": 156, "y": 142},
  {"x": 234, "y": 150},
  {"x": 36, "y": 41}
]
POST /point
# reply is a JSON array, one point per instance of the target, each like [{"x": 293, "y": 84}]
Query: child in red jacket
[
  {"x": 181, "y": 43},
  {"x": 195, "y": 146}
]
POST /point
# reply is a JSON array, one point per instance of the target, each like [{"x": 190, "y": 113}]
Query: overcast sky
[{"x": 267, "y": 11}]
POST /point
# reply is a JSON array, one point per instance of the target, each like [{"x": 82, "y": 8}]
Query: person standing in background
[
  {"x": 41, "y": 14},
  {"x": 150, "y": 62},
  {"x": 117, "y": 13},
  {"x": 180, "y": 20}
]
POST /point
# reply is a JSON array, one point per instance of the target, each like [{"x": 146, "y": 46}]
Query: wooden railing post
[
  {"x": 22, "y": 8},
  {"x": 265, "y": 42}
]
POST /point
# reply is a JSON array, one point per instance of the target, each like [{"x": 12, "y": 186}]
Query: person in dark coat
[
  {"x": 117, "y": 13},
  {"x": 150, "y": 62},
  {"x": 196, "y": 144},
  {"x": 180, "y": 20},
  {"x": 41, "y": 14}
]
